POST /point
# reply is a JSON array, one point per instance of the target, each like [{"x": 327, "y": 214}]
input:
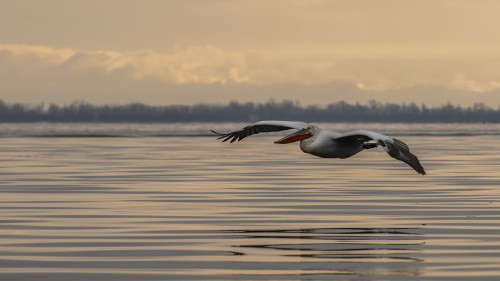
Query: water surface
[{"x": 191, "y": 208}]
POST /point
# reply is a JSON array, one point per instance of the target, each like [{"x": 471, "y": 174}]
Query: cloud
[
  {"x": 198, "y": 65},
  {"x": 43, "y": 71},
  {"x": 194, "y": 65}
]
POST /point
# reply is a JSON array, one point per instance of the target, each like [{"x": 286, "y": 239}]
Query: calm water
[{"x": 191, "y": 208}]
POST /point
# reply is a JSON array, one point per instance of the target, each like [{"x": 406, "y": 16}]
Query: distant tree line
[{"x": 247, "y": 112}]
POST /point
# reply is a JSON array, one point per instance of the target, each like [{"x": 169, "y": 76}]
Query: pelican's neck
[{"x": 306, "y": 144}]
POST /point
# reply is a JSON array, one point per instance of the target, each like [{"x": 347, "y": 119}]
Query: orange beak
[{"x": 297, "y": 136}]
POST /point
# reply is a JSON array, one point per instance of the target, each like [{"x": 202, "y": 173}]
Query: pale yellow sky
[{"x": 316, "y": 52}]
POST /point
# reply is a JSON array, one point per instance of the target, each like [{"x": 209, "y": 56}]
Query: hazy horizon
[
  {"x": 340, "y": 111},
  {"x": 270, "y": 100},
  {"x": 315, "y": 52}
]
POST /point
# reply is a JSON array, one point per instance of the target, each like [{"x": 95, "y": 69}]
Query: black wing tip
[
  {"x": 423, "y": 172},
  {"x": 217, "y": 133},
  {"x": 400, "y": 150},
  {"x": 220, "y": 135},
  {"x": 229, "y": 136},
  {"x": 417, "y": 166}
]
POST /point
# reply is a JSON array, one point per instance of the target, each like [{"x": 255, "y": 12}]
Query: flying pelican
[{"x": 328, "y": 144}]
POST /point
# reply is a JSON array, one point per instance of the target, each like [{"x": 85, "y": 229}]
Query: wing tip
[
  {"x": 399, "y": 150},
  {"x": 225, "y": 137},
  {"x": 417, "y": 166},
  {"x": 217, "y": 133}
]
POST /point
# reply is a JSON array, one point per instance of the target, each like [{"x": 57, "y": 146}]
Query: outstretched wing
[
  {"x": 260, "y": 127},
  {"x": 397, "y": 149}
]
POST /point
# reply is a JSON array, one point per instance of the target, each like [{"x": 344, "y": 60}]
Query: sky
[{"x": 216, "y": 51}]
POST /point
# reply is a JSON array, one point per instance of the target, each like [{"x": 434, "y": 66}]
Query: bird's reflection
[{"x": 336, "y": 244}]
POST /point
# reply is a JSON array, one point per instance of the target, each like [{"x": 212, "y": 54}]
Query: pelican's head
[{"x": 301, "y": 134}]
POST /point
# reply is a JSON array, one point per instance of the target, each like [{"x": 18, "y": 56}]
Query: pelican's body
[
  {"x": 324, "y": 145},
  {"x": 328, "y": 144}
]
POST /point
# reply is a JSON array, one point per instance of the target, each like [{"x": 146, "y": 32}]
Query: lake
[{"x": 170, "y": 202}]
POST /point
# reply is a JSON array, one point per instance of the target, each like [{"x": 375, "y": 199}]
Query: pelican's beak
[{"x": 297, "y": 136}]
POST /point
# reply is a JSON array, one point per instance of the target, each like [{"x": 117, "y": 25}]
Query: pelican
[{"x": 328, "y": 144}]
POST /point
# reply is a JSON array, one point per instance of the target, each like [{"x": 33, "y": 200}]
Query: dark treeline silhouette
[{"x": 247, "y": 112}]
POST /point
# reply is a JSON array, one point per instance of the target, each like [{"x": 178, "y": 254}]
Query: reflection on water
[
  {"x": 338, "y": 245},
  {"x": 195, "y": 209}
]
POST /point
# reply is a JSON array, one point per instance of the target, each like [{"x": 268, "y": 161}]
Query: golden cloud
[{"x": 211, "y": 65}]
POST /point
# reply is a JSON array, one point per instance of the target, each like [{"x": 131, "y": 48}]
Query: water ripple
[{"x": 195, "y": 209}]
